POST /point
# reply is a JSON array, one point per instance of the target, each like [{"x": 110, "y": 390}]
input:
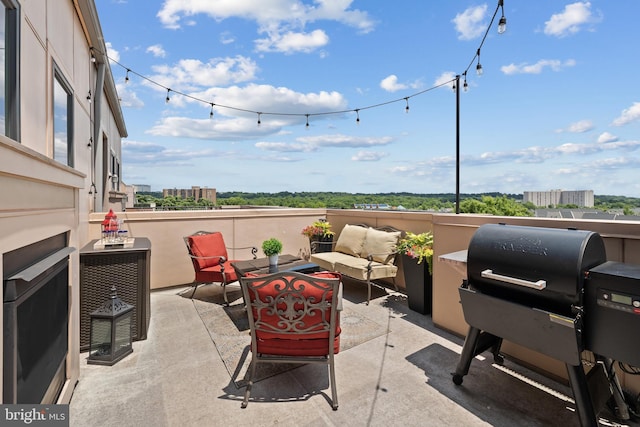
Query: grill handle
[{"x": 539, "y": 285}]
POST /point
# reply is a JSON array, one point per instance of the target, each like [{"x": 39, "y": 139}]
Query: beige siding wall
[{"x": 40, "y": 197}]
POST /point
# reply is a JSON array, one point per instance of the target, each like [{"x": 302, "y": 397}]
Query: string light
[
  {"x": 501, "y": 29},
  {"x": 502, "y": 24}
]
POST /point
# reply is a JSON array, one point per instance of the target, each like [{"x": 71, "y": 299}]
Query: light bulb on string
[
  {"x": 502, "y": 24},
  {"x": 455, "y": 84}
]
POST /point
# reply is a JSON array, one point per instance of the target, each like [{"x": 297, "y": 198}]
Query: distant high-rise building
[
  {"x": 141, "y": 188},
  {"x": 196, "y": 192},
  {"x": 581, "y": 198}
]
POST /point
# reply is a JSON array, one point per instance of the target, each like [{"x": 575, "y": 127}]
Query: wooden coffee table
[{"x": 285, "y": 263}]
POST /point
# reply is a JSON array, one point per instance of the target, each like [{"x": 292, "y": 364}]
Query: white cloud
[
  {"x": 538, "y": 67},
  {"x": 191, "y": 74},
  {"x": 368, "y": 156},
  {"x": 445, "y": 77},
  {"x": 227, "y": 38},
  {"x": 157, "y": 51},
  {"x": 237, "y": 124},
  {"x": 570, "y": 21},
  {"x": 629, "y": 115},
  {"x": 139, "y": 152},
  {"x": 315, "y": 143},
  {"x": 291, "y": 42},
  {"x": 390, "y": 84},
  {"x": 286, "y": 147},
  {"x": 128, "y": 98},
  {"x": 578, "y": 127},
  {"x": 270, "y": 15},
  {"x": 111, "y": 52},
  {"x": 469, "y": 24},
  {"x": 607, "y": 137},
  {"x": 340, "y": 140}
]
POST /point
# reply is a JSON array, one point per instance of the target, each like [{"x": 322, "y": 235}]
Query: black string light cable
[
  {"x": 273, "y": 113},
  {"x": 502, "y": 26},
  {"x": 501, "y": 29}
]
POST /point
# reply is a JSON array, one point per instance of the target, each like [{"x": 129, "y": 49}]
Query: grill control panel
[{"x": 619, "y": 301}]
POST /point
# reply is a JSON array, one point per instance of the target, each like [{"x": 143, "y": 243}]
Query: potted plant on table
[
  {"x": 417, "y": 263},
  {"x": 320, "y": 236},
  {"x": 272, "y": 248}
]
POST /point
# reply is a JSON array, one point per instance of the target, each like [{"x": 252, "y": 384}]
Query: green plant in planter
[
  {"x": 318, "y": 229},
  {"x": 271, "y": 246},
  {"x": 418, "y": 246}
]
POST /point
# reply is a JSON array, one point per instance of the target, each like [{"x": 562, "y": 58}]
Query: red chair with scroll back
[
  {"x": 293, "y": 318},
  {"x": 211, "y": 261}
]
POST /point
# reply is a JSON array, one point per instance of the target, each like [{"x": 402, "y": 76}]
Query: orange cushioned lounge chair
[{"x": 211, "y": 261}]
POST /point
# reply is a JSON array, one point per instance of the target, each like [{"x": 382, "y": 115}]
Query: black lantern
[{"x": 110, "y": 335}]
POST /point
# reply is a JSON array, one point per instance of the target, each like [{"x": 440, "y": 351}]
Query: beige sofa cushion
[
  {"x": 328, "y": 260},
  {"x": 357, "y": 268},
  {"x": 381, "y": 245},
  {"x": 351, "y": 240}
]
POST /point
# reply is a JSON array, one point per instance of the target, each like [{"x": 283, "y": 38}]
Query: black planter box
[
  {"x": 419, "y": 284},
  {"x": 321, "y": 244}
]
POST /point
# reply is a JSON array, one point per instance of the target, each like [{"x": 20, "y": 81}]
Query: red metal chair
[
  {"x": 211, "y": 261},
  {"x": 294, "y": 318}
]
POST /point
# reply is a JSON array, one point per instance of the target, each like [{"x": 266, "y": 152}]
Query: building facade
[
  {"x": 553, "y": 198},
  {"x": 60, "y": 159},
  {"x": 196, "y": 192}
]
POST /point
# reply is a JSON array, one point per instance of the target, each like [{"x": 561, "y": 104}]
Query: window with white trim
[{"x": 62, "y": 118}]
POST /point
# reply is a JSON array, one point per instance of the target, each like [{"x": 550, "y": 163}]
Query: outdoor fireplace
[{"x": 36, "y": 321}]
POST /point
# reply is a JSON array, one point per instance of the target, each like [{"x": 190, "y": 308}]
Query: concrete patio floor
[{"x": 403, "y": 378}]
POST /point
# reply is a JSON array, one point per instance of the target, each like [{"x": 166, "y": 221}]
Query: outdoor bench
[{"x": 363, "y": 253}]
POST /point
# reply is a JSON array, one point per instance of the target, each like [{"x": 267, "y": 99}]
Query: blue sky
[{"x": 557, "y": 106}]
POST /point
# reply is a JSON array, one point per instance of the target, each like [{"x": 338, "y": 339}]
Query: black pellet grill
[{"x": 553, "y": 291}]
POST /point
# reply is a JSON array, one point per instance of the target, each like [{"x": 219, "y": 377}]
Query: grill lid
[{"x": 541, "y": 267}]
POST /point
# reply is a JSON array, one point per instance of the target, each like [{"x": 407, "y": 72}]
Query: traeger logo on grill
[{"x": 523, "y": 245}]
